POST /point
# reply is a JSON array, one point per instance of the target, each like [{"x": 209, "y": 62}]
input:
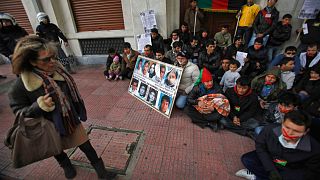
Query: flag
[{"x": 221, "y": 5}]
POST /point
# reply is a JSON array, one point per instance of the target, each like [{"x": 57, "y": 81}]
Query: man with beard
[
  {"x": 10, "y": 33},
  {"x": 310, "y": 58}
]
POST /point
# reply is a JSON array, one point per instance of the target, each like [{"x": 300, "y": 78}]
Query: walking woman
[{"x": 45, "y": 88}]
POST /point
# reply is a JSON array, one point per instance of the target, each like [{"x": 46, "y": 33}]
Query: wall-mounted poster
[{"x": 156, "y": 84}]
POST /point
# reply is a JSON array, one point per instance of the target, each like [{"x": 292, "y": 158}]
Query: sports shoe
[
  {"x": 116, "y": 78},
  {"x": 245, "y": 173}
]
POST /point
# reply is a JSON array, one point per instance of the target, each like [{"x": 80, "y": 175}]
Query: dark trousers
[
  {"x": 246, "y": 33},
  {"x": 202, "y": 119},
  {"x": 245, "y": 128},
  {"x": 252, "y": 162}
]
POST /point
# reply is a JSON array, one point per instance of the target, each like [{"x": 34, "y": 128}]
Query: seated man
[
  {"x": 193, "y": 49},
  {"x": 238, "y": 45},
  {"x": 160, "y": 56},
  {"x": 284, "y": 151},
  {"x": 172, "y": 53},
  {"x": 310, "y": 58},
  {"x": 210, "y": 58},
  {"x": 223, "y": 38},
  {"x": 156, "y": 40},
  {"x": 290, "y": 51},
  {"x": 244, "y": 108},
  {"x": 147, "y": 51},
  {"x": 189, "y": 77},
  {"x": 204, "y": 88},
  {"x": 129, "y": 60}
]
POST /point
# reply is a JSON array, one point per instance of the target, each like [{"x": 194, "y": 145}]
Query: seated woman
[{"x": 198, "y": 110}]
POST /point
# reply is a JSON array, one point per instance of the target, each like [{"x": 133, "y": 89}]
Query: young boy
[
  {"x": 243, "y": 108},
  {"x": 286, "y": 67},
  {"x": 284, "y": 151},
  {"x": 156, "y": 40},
  {"x": 230, "y": 77},
  {"x": 192, "y": 49},
  {"x": 280, "y": 33}
]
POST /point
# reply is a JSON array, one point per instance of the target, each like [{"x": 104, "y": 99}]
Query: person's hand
[
  {"x": 236, "y": 121},
  {"x": 239, "y": 14},
  {"x": 259, "y": 35},
  {"x": 246, "y": 59},
  {"x": 66, "y": 44},
  {"x": 48, "y": 100},
  {"x": 299, "y": 30},
  {"x": 258, "y": 65},
  {"x": 275, "y": 175}
]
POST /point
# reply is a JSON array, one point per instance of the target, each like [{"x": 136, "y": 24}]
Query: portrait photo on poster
[{"x": 155, "y": 83}]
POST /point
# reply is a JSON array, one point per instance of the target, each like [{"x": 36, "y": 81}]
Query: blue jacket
[{"x": 278, "y": 58}]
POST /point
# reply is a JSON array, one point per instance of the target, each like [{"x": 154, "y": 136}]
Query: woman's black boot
[
  {"x": 101, "y": 170},
  {"x": 64, "y": 161}
]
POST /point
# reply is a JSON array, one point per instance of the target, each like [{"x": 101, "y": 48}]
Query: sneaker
[
  {"x": 116, "y": 78},
  {"x": 245, "y": 173},
  {"x": 120, "y": 77},
  {"x": 110, "y": 77}
]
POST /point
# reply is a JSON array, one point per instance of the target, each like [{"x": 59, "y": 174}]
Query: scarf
[{"x": 65, "y": 116}]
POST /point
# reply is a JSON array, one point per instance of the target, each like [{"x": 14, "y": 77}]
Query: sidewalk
[{"x": 170, "y": 148}]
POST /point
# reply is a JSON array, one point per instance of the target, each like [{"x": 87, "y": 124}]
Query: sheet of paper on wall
[
  {"x": 305, "y": 28},
  {"x": 148, "y": 19},
  {"x": 309, "y": 10},
  {"x": 240, "y": 56},
  {"x": 142, "y": 40}
]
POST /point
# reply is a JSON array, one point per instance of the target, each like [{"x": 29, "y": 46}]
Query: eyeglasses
[{"x": 48, "y": 59}]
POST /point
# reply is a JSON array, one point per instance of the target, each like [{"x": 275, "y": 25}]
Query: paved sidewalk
[{"x": 170, "y": 148}]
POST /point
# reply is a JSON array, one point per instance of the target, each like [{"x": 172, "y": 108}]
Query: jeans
[
  {"x": 246, "y": 33},
  {"x": 272, "y": 52},
  {"x": 253, "y": 38},
  {"x": 181, "y": 101},
  {"x": 258, "y": 130}
]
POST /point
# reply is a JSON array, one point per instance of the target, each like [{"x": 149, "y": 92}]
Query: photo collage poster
[{"x": 155, "y": 83}]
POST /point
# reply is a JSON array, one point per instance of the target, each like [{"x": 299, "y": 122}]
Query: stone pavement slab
[{"x": 170, "y": 148}]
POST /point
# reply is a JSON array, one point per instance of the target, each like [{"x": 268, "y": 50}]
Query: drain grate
[{"x": 115, "y": 146}]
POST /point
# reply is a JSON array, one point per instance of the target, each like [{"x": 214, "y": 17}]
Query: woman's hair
[{"x": 27, "y": 50}]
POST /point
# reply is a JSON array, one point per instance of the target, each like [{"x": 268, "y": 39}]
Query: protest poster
[
  {"x": 142, "y": 40},
  {"x": 148, "y": 19},
  {"x": 156, "y": 84},
  {"x": 310, "y": 9},
  {"x": 240, "y": 56}
]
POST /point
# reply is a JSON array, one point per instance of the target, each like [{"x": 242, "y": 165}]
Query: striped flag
[{"x": 221, "y": 5}]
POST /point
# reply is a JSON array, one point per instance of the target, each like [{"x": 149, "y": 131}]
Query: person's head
[
  {"x": 238, "y": 40},
  {"x": 175, "y": 34},
  {"x": 172, "y": 77},
  {"x": 154, "y": 33},
  {"x": 315, "y": 72},
  {"x": 140, "y": 64},
  {"x": 127, "y": 48},
  {"x": 147, "y": 50},
  {"x": 43, "y": 18},
  {"x": 162, "y": 71},
  {"x": 287, "y": 101},
  {"x": 206, "y": 78},
  {"x": 165, "y": 102},
  {"x": 258, "y": 43},
  {"x": 134, "y": 84},
  {"x": 193, "y": 4},
  {"x": 286, "y": 19},
  {"x": 272, "y": 75},
  {"x": 211, "y": 46},
  {"x": 184, "y": 27},
  {"x": 6, "y": 20},
  {"x": 295, "y": 125},
  {"x": 33, "y": 51},
  {"x": 271, "y": 3},
  {"x": 152, "y": 69},
  {"x": 152, "y": 95},
  {"x": 243, "y": 85},
  {"x": 177, "y": 46},
  {"x": 145, "y": 68},
  {"x": 142, "y": 90},
  {"x": 204, "y": 33},
  {"x": 312, "y": 50},
  {"x": 182, "y": 58},
  {"x": 224, "y": 29},
  {"x": 290, "y": 51},
  {"x": 234, "y": 65},
  {"x": 160, "y": 54},
  {"x": 111, "y": 52},
  {"x": 116, "y": 59},
  {"x": 225, "y": 64},
  {"x": 287, "y": 64},
  {"x": 194, "y": 41},
  {"x": 249, "y": 2}
]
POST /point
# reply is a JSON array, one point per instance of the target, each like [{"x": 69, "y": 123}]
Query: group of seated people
[{"x": 243, "y": 98}]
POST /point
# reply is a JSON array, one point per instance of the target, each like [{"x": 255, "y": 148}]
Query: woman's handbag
[{"x": 32, "y": 140}]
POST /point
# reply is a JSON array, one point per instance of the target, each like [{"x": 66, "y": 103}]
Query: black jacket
[
  {"x": 305, "y": 158},
  {"x": 244, "y": 107},
  {"x": 193, "y": 52},
  {"x": 262, "y": 24},
  {"x": 9, "y": 37},
  {"x": 279, "y": 34},
  {"x": 157, "y": 43},
  {"x": 50, "y": 32},
  {"x": 313, "y": 32},
  {"x": 232, "y": 51},
  {"x": 211, "y": 62}
]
